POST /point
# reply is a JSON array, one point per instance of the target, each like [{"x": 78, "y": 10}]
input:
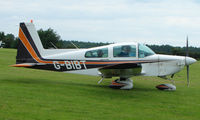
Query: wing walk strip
[{"x": 32, "y": 52}]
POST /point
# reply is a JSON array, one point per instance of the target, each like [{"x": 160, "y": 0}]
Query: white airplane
[
  {"x": 123, "y": 60},
  {"x": 1, "y": 44}
]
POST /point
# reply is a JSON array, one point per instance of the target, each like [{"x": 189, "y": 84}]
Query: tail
[{"x": 29, "y": 45}]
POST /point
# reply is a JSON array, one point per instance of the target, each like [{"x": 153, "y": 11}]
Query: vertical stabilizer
[{"x": 29, "y": 46}]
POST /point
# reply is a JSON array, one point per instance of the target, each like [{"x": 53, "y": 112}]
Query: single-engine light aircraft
[
  {"x": 1, "y": 44},
  {"x": 123, "y": 60}
]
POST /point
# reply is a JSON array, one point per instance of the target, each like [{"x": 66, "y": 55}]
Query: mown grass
[{"x": 27, "y": 94}]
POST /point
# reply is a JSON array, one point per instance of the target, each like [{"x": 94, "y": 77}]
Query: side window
[
  {"x": 99, "y": 53},
  {"x": 124, "y": 51}
]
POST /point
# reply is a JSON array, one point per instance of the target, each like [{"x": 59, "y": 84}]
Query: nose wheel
[
  {"x": 122, "y": 83},
  {"x": 168, "y": 87}
]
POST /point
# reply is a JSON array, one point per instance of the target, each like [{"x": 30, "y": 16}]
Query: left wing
[{"x": 125, "y": 70}]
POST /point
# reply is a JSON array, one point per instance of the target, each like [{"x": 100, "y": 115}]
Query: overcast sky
[{"x": 145, "y": 21}]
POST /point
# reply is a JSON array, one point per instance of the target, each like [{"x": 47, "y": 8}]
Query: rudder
[{"x": 29, "y": 44}]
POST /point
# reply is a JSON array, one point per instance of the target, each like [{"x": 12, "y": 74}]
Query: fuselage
[{"x": 152, "y": 64}]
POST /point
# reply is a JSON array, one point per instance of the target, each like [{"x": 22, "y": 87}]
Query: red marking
[
  {"x": 117, "y": 84},
  {"x": 162, "y": 86}
]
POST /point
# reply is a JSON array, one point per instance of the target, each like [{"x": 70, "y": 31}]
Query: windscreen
[{"x": 144, "y": 51}]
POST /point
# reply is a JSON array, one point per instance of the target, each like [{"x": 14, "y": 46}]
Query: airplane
[
  {"x": 123, "y": 60},
  {"x": 1, "y": 44}
]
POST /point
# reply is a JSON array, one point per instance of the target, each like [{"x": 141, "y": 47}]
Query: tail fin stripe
[
  {"x": 29, "y": 47},
  {"x": 30, "y": 40}
]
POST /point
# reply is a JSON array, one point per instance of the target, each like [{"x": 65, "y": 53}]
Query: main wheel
[{"x": 122, "y": 83}]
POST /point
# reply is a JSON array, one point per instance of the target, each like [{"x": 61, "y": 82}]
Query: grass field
[{"x": 27, "y": 94}]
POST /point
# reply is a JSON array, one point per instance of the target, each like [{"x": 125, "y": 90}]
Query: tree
[
  {"x": 2, "y": 36},
  {"x": 49, "y": 36},
  {"x": 9, "y": 40}
]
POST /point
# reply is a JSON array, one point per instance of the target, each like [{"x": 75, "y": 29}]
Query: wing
[{"x": 125, "y": 70}]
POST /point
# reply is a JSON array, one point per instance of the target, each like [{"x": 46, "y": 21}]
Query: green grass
[{"x": 27, "y": 94}]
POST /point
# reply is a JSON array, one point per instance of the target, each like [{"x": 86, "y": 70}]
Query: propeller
[{"x": 188, "y": 68}]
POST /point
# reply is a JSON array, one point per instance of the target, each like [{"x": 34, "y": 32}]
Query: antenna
[
  {"x": 53, "y": 45},
  {"x": 74, "y": 45}
]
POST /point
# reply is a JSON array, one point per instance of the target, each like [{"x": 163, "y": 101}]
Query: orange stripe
[
  {"x": 21, "y": 65},
  {"x": 29, "y": 48}
]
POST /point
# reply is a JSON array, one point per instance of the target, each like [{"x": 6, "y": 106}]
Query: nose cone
[{"x": 189, "y": 60}]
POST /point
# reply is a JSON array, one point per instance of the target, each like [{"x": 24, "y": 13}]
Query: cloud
[{"x": 146, "y": 21}]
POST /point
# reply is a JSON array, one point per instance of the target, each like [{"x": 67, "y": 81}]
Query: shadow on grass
[
  {"x": 48, "y": 82},
  {"x": 97, "y": 91},
  {"x": 138, "y": 87}
]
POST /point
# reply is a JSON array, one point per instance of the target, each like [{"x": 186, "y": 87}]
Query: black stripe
[
  {"x": 23, "y": 56},
  {"x": 102, "y": 66},
  {"x": 28, "y": 36},
  {"x": 63, "y": 68}
]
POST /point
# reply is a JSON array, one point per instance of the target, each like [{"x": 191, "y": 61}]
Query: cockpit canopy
[{"x": 120, "y": 51}]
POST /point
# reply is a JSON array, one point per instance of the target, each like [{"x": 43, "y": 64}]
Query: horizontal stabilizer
[{"x": 24, "y": 65}]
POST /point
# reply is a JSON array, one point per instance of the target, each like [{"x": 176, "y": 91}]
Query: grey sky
[{"x": 145, "y": 21}]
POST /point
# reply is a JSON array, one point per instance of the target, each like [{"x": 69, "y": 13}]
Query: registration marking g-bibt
[{"x": 75, "y": 65}]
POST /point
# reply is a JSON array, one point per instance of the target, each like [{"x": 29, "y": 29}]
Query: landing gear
[
  {"x": 169, "y": 87},
  {"x": 122, "y": 83}
]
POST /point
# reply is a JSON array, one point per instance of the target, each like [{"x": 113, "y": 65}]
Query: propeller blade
[
  {"x": 187, "y": 54},
  {"x": 187, "y": 51},
  {"x": 188, "y": 80}
]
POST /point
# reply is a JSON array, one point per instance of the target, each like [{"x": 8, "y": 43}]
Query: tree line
[
  {"x": 50, "y": 39},
  {"x": 9, "y": 39},
  {"x": 170, "y": 50}
]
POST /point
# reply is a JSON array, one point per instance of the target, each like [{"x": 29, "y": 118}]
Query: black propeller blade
[{"x": 188, "y": 68}]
